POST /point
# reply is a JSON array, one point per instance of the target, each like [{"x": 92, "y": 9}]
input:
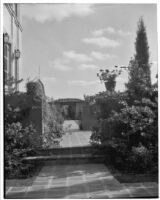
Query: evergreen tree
[
  {"x": 141, "y": 44},
  {"x": 139, "y": 67}
]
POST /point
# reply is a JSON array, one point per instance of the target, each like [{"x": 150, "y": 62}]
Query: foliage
[
  {"x": 138, "y": 159},
  {"x": 137, "y": 119},
  {"x": 141, "y": 44},
  {"x": 141, "y": 120},
  {"x": 106, "y": 102},
  {"x": 20, "y": 137},
  {"x": 136, "y": 137},
  {"x": 52, "y": 119},
  {"x": 106, "y": 130},
  {"x": 128, "y": 121},
  {"x": 109, "y": 78},
  {"x": 18, "y": 142},
  {"x": 129, "y": 131},
  {"x": 139, "y": 67},
  {"x": 16, "y": 112},
  {"x": 35, "y": 89},
  {"x": 138, "y": 85}
]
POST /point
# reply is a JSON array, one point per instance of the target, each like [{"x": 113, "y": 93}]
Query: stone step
[
  {"x": 68, "y": 150},
  {"x": 64, "y": 159}
]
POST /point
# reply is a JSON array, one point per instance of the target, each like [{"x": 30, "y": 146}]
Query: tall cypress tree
[
  {"x": 141, "y": 44},
  {"x": 139, "y": 68}
]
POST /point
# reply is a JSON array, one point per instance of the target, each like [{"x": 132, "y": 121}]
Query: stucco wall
[
  {"x": 7, "y": 21},
  {"x": 15, "y": 39}
]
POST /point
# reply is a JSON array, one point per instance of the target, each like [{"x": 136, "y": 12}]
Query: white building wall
[
  {"x": 6, "y": 21},
  {"x": 12, "y": 26}
]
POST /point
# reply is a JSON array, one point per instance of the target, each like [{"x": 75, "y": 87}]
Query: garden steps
[
  {"x": 65, "y": 159},
  {"x": 67, "y": 155},
  {"x": 67, "y": 150}
]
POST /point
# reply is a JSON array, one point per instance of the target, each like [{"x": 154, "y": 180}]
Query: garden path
[{"x": 73, "y": 136}]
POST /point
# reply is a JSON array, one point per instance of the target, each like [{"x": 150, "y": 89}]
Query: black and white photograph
[{"x": 80, "y": 100}]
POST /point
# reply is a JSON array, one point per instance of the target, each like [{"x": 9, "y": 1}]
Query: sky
[{"x": 70, "y": 43}]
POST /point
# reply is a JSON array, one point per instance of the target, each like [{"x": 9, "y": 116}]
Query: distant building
[
  {"x": 71, "y": 108},
  {"x": 77, "y": 109},
  {"x": 12, "y": 32}
]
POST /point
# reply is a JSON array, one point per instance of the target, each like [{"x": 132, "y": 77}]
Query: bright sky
[{"x": 71, "y": 42}]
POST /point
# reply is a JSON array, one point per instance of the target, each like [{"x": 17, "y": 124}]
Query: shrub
[
  {"x": 107, "y": 102},
  {"x": 139, "y": 120},
  {"x": 117, "y": 150},
  {"x": 136, "y": 160},
  {"x": 17, "y": 107},
  {"x": 18, "y": 142},
  {"x": 139, "y": 159},
  {"x": 129, "y": 131},
  {"x": 35, "y": 89}
]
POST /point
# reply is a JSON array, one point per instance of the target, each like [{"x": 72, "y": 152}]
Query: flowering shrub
[
  {"x": 139, "y": 159},
  {"x": 140, "y": 150},
  {"x": 139, "y": 120}
]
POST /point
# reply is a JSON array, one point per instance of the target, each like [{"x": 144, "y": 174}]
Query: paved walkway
[
  {"x": 73, "y": 136},
  {"x": 80, "y": 181},
  {"x": 71, "y": 125},
  {"x": 76, "y": 138}
]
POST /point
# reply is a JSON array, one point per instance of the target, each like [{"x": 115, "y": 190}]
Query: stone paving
[
  {"x": 76, "y": 138},
  {"x": 80, "y": 181},
  {"x": 71, "y": 125},
  {"x": 73, "y": 136}
]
